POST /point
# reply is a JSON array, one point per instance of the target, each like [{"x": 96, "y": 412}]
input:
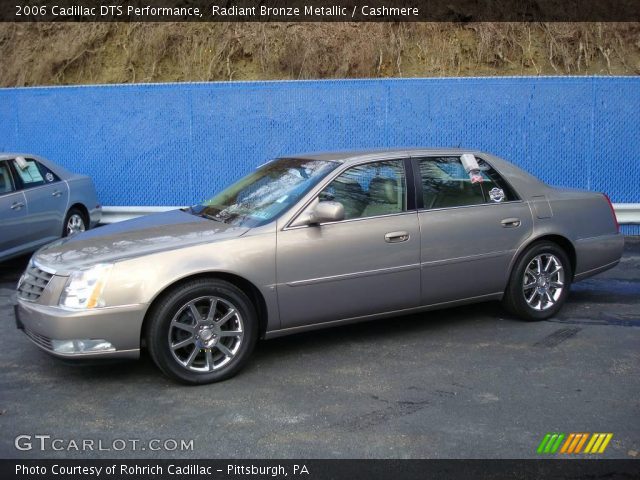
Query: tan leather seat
[{"x": 383, "y": 197}]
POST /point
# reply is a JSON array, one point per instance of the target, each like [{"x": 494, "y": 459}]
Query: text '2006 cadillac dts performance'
[{"x": 311, "y": 241}]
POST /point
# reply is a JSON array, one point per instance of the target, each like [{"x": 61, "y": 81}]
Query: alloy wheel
[
  {"x": 543, "y": 281},
  {"x": 75, "y": 224},
  {"x": 206, "y": 334}
]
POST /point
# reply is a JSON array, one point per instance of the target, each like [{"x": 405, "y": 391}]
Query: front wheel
[
  {"x": 539, "y": 282},
  {"x": 202, "y": 332}
]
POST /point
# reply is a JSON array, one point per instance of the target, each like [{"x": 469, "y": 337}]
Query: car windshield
[{"x": 264, "y": 194}]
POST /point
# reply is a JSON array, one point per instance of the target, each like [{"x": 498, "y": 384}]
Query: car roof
[{"x": 358, "y": 155}]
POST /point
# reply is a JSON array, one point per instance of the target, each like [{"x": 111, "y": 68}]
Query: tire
[
  {"x": 75, "y": 222},
  {"x": 531, "y": 296},
  {"x": 213, "y": 349}
]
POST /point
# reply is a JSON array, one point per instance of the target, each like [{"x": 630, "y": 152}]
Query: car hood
[{"x": 132, "y": 238}]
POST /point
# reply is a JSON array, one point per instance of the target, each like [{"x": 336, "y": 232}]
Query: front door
[{"x": 366, "y": 264}]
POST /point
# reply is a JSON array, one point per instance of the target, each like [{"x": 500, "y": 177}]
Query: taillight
[{"x": 613, "y": 212}]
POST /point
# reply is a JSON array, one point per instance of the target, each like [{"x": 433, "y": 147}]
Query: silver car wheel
[
  {"x": 543, "y": 281},
  {"x": 206, "y": 334},
  {"x": 75, "y": 224}
]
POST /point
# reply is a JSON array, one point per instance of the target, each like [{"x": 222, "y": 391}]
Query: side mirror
[
  {"x": 320, "y": 212},
  {"x": 327, "y": 212}
]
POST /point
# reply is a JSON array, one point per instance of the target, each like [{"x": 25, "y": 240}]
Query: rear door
[
  {"x": 469, "y": 231},
  {"x": 47, "y": 199},
  {"x": 13, "y": 211}
]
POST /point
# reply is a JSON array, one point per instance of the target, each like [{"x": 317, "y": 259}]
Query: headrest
[
  {"x": 383, "y": 190},
  {"x": 347, "y": 185}
]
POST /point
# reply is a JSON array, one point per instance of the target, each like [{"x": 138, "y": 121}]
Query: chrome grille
[
  {"x": 33, "y": 283},
  {"x": 40, "y": 340}
]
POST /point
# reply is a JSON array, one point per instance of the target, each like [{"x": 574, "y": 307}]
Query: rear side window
[
  {"x": 33, "y": 174},
  {"x": 6, "y": 184},
  {"x": 445, "y": 183}
]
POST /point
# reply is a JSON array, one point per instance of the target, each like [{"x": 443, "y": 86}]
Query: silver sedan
[
  {"x": 312, "y": 241},
  {"x": 40, "y": 202}
]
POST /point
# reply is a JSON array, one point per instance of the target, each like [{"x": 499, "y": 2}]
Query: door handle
[
  {"x": 17, "y": 205},
  {"x": 395, "y": 237},
  {"x": 56, "y": 193},
  {"x": 510, "y": 222}
]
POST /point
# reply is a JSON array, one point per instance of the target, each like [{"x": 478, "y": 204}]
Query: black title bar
[
  {"x": 320, "y": 11},
  {"x": 575, "y": 469}
]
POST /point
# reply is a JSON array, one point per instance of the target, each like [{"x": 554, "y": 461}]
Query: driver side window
[{"x": 370, "y": 189}]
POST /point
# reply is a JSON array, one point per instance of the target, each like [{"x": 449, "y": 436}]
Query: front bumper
[{"x": 120, "y": 326}]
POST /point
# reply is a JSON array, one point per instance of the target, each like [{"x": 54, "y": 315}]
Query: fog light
[{"x": 81, "y": 346}]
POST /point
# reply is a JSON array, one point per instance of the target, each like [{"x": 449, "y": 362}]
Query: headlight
[{"x": 84, "y": 288}]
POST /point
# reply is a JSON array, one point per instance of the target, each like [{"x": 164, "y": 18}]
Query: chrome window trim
[
  {"x": 422, "y": 210},
  {"x": 349, "y": 220}
]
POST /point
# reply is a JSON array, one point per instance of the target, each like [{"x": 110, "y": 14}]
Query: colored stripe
[
  {"x": 543, "y": 443},
  {"x": 594, "y": 437},
  {"x": 575, "y": 442},
  {"x": 552, "y": 440},
  {"x": 584, "y": 439},
  {"x": 567, "y": 443},
  {"x": 554, "y": 449},
  {"x": 596, "y": 446},
  {"x": 606, "y": 442}
]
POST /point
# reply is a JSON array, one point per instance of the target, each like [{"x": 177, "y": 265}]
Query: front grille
[
  {"x": 40, "y": 340},
  {"x": 33, "y": 283}
]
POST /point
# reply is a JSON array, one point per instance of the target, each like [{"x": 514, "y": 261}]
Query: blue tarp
[{"x": 175, "y": 144}]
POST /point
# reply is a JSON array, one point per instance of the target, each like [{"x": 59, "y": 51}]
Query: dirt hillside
[{"x": 59, "y": 54}]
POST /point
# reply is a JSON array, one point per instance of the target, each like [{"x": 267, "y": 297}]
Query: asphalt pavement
[{"x": 468, "y": 382}]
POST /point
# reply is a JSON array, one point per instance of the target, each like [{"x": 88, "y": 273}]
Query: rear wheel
[
  {"x": 75, "y": 222},
  {"x": 202, "y": 332},
  {"x": 539, "y": 282}
]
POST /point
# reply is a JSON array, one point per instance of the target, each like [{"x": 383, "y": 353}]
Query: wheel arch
[
  {"x": 254, "y": 294},
  {"x": 83, "y": 209},
  {"x": 562, "y": 241}
]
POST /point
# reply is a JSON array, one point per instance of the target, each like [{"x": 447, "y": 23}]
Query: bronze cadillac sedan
[{"x": 312, "y": 241}]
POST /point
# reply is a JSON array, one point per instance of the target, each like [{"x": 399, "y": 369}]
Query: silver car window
[
  {"x": 369, "y": 190},
  {"x": 30, "y": 176}
]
